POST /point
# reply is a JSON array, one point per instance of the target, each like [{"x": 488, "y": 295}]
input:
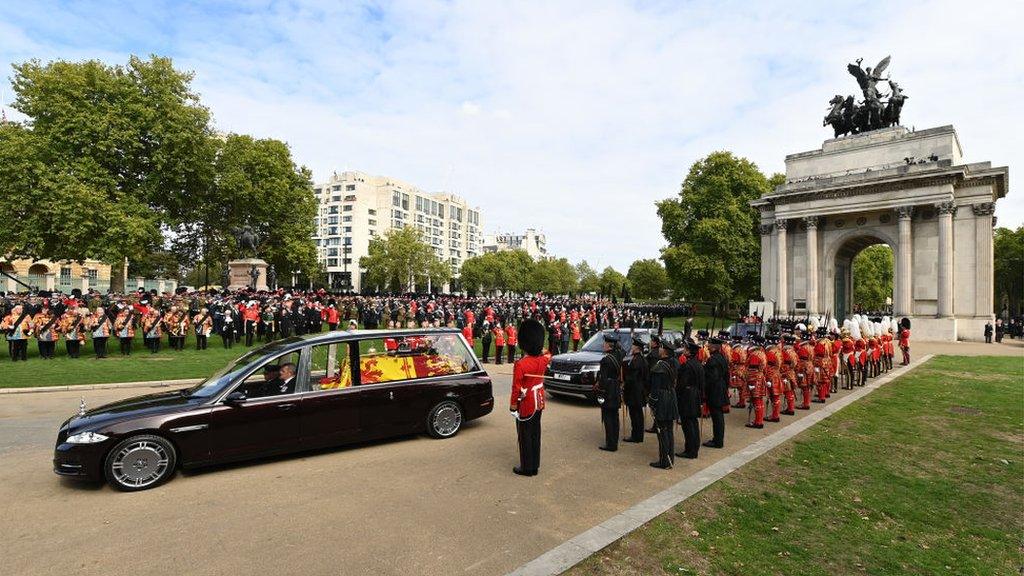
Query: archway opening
[{"x": 865, "y": 277}]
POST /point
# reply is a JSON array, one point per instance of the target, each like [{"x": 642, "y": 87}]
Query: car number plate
[{"x": 562, "y": 376}]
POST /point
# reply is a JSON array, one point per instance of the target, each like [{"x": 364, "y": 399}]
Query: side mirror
[{"x": 235, "y": 398}]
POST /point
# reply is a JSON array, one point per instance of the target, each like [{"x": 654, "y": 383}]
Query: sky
[{"x": 572, "y": 117}]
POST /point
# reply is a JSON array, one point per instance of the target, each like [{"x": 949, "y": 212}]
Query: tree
[
  {"x": 108, "y": 155},
  {"x": 553, "y": 276},
  {"x": 873, "y": 277},
  {"x": 255, "y": 183},
  {"x": 714, "y": 247},
  {"x": 507, "y": 270},
  {"x": 610, "y": 282},
  {"x": 648, "y": 279},
  {"x": 401, "y": 259},
  {"x": 586, "y": 278},
  {"x": 1008, "y": 246}
]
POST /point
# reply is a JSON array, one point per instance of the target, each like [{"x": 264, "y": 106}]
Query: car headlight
[
  {"x": 590, "y": 368},
  {"x": 86, "y": 438}
]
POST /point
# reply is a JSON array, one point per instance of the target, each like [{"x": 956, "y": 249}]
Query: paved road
[{"x": 408, "y": 506}]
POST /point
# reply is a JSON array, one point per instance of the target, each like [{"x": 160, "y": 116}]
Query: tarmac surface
[{"x": 406, "y": 506}]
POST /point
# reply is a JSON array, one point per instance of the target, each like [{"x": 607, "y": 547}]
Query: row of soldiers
[{"x": 695, "y": 378}]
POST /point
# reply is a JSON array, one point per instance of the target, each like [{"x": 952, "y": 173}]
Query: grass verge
[{"x": 922, "y": 477}]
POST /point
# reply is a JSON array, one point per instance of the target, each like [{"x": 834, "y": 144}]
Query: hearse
[{"x": 300, "y": 393}]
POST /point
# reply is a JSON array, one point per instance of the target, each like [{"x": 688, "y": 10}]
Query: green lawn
[{"x": 922, "y": 477}]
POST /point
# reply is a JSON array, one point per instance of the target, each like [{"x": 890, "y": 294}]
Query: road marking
[{"x": 576, "y": 549}]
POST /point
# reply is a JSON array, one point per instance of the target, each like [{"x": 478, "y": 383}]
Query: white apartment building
[
  {"x": 355, "y": 207},
  {"x": 533, "y": 242}
]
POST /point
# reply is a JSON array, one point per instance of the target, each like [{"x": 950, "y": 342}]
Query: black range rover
[{"x": 574, "y": 373}]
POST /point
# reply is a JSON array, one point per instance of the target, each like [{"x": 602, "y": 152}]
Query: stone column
[
  {"x": 813, "y": 306},
  {"x": 984, "y": 298},
  {"x": 85, "y": 281},
  {"x": 51, "y": 281},
  {"x": 767, "y": 260},
  {"x": 781, "y": 287},
  {"x": 945, "y": 292},
  {"x": 904, "y": 269}
]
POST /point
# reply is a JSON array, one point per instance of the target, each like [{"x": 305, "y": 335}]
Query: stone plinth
[{"x": 239, "y": 277}]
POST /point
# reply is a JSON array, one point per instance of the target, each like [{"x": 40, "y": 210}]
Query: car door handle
[
  {"x": 285, "y": 406},
  {"x": 391, "y": 395}
]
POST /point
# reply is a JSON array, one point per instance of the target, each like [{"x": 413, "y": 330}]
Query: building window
[
  {"x": 347, "y": 242},
  {"x": 332, "y": 261},
  {"x": 350, "y": 187},
  {"x": 346, "y": 218},
  {"x": 335, "y": 198},
  {"x": 332, "y": 251},
  {"x": 332, "y": 231},
  {"x": 372, "y": 222},
  {"x": 347, "y": 229},
  {"x": 346, "y": 208},
  {"x": 346, "y": 261},
  {"x": 65, "y": 273},
  {"x": 336, "y": 187},
  {"x": 332, "y": 210},
  {"x": 350, "y": 198},
  {"x": 332, "y": 220},
  {"x": 92, "y": 274},
  {"x": 372, "y": 212}
]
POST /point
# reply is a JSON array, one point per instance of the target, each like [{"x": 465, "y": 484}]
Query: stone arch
[
  {"x": 839, "y": 257},
  {"x": 38, "y": 269}
]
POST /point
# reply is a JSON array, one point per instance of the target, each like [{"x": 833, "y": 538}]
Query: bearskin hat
[
  {"x": 905, "y": 323},
  {"x": 531, "y": 337}
]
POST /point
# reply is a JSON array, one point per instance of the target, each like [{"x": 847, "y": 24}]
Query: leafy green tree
[
  {"x": 159, "y": 264},
  {"x": 610, "y": 282},
  {"x": 873, "y": 277},
  {"x": 1008, "y": 246},
  {"x": 255, "y": 183},
  {"x": 507, "y": 271},
  {"x": 648, "y": 279},
  {"x": 553, "y": 276},
  {"x": 108, "y": 155},
  {"x": 714, "y": 247},
  {"x": 586, "y": 278},
  {"x": 400, "y": 259}
]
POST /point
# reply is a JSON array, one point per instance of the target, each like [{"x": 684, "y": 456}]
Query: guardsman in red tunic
[
  {"x": 726, "y": 349},
  {"x": 905, "y": 340},
  {"x": 499, "y": 342},
  {"x": 467, "y": 333},
  {"x": 822, "y": 373},
  {"x": 876, "y": 355},
  {"x": 756, "y": 384},
  {"x": 773, "y": 373},
  {"x": 790, "y": 362},
  {"x": 738, "y": 371},
  {"x": 527, "y": 400},
  {"x": 861, "y": 348},
  {"x": 805, "y": 371},
  {"x": 511, "y": 341}
]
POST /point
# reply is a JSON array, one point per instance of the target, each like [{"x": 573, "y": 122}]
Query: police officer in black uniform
[
  {"x": 716, "y": 390},
  {"x": 609, "y": 391},
  {"x": 635, "y": 390},
  {"x": 663, "y": 406},
  {"x": 689, "y": 390}
]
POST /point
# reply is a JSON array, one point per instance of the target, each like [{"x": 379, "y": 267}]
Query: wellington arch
[{"x": 909, "y": 189}]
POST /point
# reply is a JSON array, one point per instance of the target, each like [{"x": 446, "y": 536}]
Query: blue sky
[{"x": 572, "y": 117}]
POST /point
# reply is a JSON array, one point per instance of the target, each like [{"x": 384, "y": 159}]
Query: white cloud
[{"x": 574, "y": 117}]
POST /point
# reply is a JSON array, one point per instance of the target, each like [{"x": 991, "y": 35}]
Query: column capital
[
  {"x": 904, "y": 212},
  {"x": 984, "y": 208},
  {"x": 812, "y": 221},
  {"x": 781, "y": 223},
  {"x": 766, "y": 229},
  {"x": 948, "y": 207}
]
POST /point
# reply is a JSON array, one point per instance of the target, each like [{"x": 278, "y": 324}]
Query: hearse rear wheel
[
  {"x": 445, "y": 419},
  {"x": 140, "y": 462}
]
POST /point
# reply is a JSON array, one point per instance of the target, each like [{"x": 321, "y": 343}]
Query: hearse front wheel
[
  {"x": 445, "y": 419},
  {"x": 140, "y": 462}
]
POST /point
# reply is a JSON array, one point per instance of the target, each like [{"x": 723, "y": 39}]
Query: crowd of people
[
  {"x": 1013, "y": 327},
  {"x": 699, "y": 375},
  {"x": 247, "y": 317}
]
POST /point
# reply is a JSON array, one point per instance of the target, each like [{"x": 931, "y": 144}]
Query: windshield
[
  {"x": 224, "y": 376},
  {"x": 596, "y": 342}
]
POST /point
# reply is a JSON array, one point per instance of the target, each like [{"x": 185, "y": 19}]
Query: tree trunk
[{"x": 118, "y": 273}]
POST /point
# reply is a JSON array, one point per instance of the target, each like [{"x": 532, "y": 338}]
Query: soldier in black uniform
[
  {"x": 663, "y": 406},
  {"x": 635, "y": 388},
  {"x": 689, "y": 390},
  {"x": 609, "y": 391},
  {"x": 653, "y": 355},
  {"x": 716, "y": 390}
]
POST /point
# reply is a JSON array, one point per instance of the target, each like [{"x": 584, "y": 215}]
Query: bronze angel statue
[{"x": 850, "y": 117}]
